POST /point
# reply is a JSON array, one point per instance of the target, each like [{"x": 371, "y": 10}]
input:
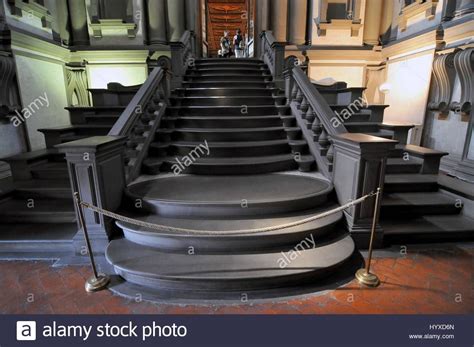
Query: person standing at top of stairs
[
  {"x": 239, "y": 44},
  {"x": 225, "y": 52}
]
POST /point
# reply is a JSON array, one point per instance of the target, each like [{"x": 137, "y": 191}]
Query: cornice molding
[
  {"x": 428, "y": 40},
  {"x": 428, "y": 7},
  {"x": 27, "y": 45}
]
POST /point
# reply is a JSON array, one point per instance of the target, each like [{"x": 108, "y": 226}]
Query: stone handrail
[
  {"x": 140, "y": 120},
  {"x": 316, "y": 118},
  {"x": 273, "y": 54}
]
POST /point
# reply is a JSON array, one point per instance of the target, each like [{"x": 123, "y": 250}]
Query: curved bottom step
[{"x": 145, "y": 266}]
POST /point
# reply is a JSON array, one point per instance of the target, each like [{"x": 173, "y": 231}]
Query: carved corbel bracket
[
  {"x": 9, "y": 99},
  {"x": 464, "y": 65},
  {"x": 444, "y": 74},
  {"x": 77, "y": 85}
]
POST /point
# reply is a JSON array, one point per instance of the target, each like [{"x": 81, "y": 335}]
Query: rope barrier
[{"x": 169, "y": 229}]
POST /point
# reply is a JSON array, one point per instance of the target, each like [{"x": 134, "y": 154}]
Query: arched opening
[{"x": 220, "y": 15}]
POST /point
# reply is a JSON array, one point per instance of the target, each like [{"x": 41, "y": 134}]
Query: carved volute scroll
[
  {"x": 464, "y": 65},
  {"x": 443, "y": 74},
  {"x": 77, "y": 86},
  {"x": 9, "y": 99}
]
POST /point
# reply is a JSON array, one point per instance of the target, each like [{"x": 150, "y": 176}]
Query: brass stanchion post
[
  {"x": 97, "y": 281},
  {"x": 364, "y": 275}
]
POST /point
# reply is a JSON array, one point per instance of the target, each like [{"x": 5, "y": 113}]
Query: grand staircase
[{"x": 227, "y": 165}]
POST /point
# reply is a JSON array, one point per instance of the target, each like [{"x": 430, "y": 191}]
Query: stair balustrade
[
  {"x": 315, "y": 118},
  {"x": 100, "y": 167},
  {"x": 140, "y": 120},
  {"x": 354, "y": 163}
]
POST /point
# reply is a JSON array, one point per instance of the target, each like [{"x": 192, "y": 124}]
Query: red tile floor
[{"x": 426, "y": 280}]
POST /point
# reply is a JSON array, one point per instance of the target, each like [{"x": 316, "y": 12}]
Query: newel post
[
  {"x": 177, "y": 66},
  {"x": 96, "y": 172},
  {"x": 359, "y": 169}
]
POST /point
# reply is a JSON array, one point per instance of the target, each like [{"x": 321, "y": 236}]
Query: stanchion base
[
  {"x": 367, "y": 278},
  {"x": 95, "y": 284}
]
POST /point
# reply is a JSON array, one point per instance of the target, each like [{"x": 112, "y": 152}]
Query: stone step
[
  {"x": 228, "y": 91},
  {"x": 241, "y": 195},
  {"x": 386, "y": 134},
  {"x": 214, "y": 235},
  {"x": 37, "y": 211},
  {"x": 241, "y": 101},
  {"x": 225, "y": 149},
  {"x": 418, "y": 203},
  {"x": 411, "y": 183},
  {"x": 226, "y": 70},
  {"x": 402, "y": 166},
  {"x": 228, "y": 77},
  {"x": 78, "y": 114},
  {"x": 50, "y": 170},
  {"x": 225, "y": 272},
  {"x": 429, "y": 228},
  {"x": 363, "y": 127},
  {"x": 43, "y": 189},
  {"x": 223, "y": 122},
  {"x": 223, "y": 111},
  {"x": 223, "y": 166},
  {"x": 48, "y": 238},
  {"x": 221, "y": 134},
  {"x": 228, "y": 61},
  {"x": 228, "y": 84}
]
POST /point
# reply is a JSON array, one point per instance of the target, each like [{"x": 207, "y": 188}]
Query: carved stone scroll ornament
[
  {"x": 77, "y": 86},
  {"x": 444, "y": 75},
  {"x": 464, "y": 65},
  {"x": 9, "y": 100}
]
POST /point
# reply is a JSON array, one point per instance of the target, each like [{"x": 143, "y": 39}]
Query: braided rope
[{"x": 169, "y": 229}]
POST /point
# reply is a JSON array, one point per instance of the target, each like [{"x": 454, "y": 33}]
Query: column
[
  {"x": 372, "y": 21},
  {"x": 464, "y": 7},
  {"x": 297, "y": 21},
  {"x": 191, "y": 14},
  {"x": 279, "y": 19},
  {"x": 176, "y": 19},
  {"x": 62, "y": 12},
  {"x": 78, "y": 20},
  {"x": 156, "y": 10},
  {"x": 262, "y": 22},
  {"x": 386, "y": 21}
]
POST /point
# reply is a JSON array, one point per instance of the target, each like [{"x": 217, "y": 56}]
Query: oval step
[
  {"x": 222, "y": 166},
  {"x": 223, "y": 149},
  {"x": 183, "y": 195},
  {"x": 151, "y": 268},
  {"x": 222, "y": 235},
  {"x": 224, "y": 122}
]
